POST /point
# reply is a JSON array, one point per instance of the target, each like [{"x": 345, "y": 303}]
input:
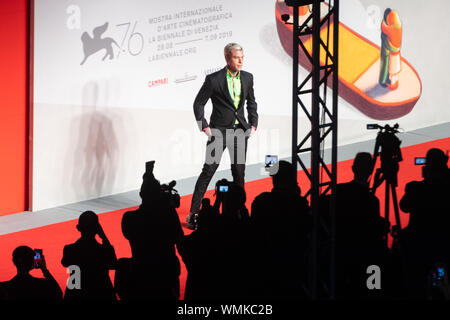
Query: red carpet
[{"x": 52, "y": 238}]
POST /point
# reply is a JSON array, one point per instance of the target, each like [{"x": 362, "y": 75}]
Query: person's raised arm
[
  {"x": 102, "y": 235},
  {"x": 56, "y": 291},
  {"x": 110, "y": 254}
]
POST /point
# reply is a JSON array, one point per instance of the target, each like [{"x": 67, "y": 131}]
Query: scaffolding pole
[{"x": 322, "y": 64}]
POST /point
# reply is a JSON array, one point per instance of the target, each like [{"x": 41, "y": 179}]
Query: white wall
[{"x": 96, "y": 124}]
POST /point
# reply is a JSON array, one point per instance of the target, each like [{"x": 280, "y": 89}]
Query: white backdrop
[{"x": 97, "y": 121}]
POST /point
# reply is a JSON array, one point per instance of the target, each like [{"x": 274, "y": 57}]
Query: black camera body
[
  {"x": 167, "y": 190},
  {"x": 387, "y": 147},
  {"x": 171, "y": 193},
  {"x": 387, "y": 128},
  {"x": 389, "y": 144}
]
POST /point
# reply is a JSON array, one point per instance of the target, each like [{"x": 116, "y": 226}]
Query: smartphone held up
[{"x": 37, "y": 258}]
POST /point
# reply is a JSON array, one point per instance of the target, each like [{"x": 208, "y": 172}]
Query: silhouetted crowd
[{"x": 264, "y": 254}]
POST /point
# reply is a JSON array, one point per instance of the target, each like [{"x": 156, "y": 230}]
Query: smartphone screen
[
  {"x": 223, "y": 188},
  {"x": 440, "y": 273},
  {"x": 37, "y": 258}
]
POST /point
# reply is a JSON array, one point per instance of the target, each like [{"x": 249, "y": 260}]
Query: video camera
[
  {"x": 387, "y": 128},
  {"x": 389, "y": 144},
  {"x": 171, "y": 193},
  {"x": 167, "y": 190}
]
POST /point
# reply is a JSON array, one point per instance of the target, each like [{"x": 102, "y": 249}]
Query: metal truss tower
[{"x": 318, "y": 26}]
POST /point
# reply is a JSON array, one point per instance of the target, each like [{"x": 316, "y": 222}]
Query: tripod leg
[
  {"x": 386, "y": 200},
  {"x": 396, "y": 211}
]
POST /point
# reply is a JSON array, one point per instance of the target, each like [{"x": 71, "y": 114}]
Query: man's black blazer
[{"x": 224, "y": 112}]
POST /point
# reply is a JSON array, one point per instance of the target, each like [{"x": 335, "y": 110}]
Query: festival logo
[{"x": 96, "y": 43}]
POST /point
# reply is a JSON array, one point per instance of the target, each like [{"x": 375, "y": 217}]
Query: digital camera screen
[
  {"x": 419, "y": 161},
  {"x": 271, "y": 160}
]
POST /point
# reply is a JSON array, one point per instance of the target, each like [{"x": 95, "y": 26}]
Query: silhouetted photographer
[
  {"x": 234, "y": 246},
  {"x": 26, "y": 287},
  {"x": 201, "y": 255},
  {"x": 426, "y": 240},
  {"x": 360, "y": 231},
  {"x": 94, "y": 260},
  {"x": 153, "y": 230},
  {"x": 281, "y": 223},
  {"x": 427, "y": 201}
]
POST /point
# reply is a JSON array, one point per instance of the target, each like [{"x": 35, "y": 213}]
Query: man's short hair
[
  {"x": 23, "y": 257},
  {"x": 363, "y": 164},
  {"x": 88, "y": 222},
  {"x": 436, "y": 159},
  {"x": 230, "y": 47},
  {"x": 286, "y": 175}
]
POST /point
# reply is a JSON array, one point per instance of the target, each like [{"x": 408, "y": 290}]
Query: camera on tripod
[{"x": 387, "y": 146}]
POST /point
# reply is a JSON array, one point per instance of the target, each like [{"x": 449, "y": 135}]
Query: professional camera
[
  {"x": 387, "y": 146},
  {"x": 390, "y": 153},
  {"x": 167, "y": 190},
  {"x": 171, "y": 193}
]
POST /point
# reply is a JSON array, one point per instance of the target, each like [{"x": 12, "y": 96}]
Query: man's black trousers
[{"x": 235, "y": 140}]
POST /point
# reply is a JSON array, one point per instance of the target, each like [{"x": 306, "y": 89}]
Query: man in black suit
[{"x": 228, "y": 90}]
